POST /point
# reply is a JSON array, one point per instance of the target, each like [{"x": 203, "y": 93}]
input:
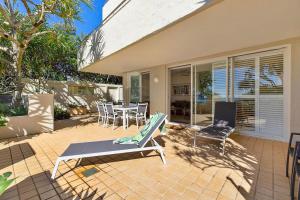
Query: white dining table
[{"x": 124, "y": 110}]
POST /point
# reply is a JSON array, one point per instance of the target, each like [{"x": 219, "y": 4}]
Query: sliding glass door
[
  {"x": 209, "y": 86},
  {"x": 258, "y": 90},
  {"x": 139, "y": 87},
  {"x": 254, "y": 81},
  {"x": 135, "y": 88}
]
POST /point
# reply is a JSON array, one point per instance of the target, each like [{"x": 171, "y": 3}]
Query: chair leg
[
  {"x": 104, "y": 121},
  {"x": 292, "y": 183},
  {"x": 55, "y": 168},
  {"x": 195, "y": 139},
  {"x": 114, "y": 122},
  {"x": 78, "y": 162},
  {"x": 298, "y": 188},
  {"x": 137, "y": 122},
  {"x": 287, "y": 163},
  {"x": 99, "y": 120},
  {"x": 162, "y": 155},
  {"x": 224, "y": 144}
]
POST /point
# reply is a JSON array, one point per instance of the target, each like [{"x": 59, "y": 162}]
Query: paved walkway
[{"x": 252, "y": 168}]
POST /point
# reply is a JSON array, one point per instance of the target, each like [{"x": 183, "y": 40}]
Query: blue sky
[{"x": 91, "y": 18}]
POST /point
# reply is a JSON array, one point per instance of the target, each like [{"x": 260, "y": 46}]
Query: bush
[
  {"x": 3, "y": 120},
  {"x": 60, "y": 113},
  {"x": 6, "y": 110},
  {"x": 18, "y": 111}
]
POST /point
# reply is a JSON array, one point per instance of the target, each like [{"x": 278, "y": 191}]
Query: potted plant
[{"x": 60, "y": 113}]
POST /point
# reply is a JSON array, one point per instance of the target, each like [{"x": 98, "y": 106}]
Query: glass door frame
[
  {"x": 194, "y": 79},
  {"x": 141, "y": 84},
  {"x": 129, "y": 75},
  {"x": 169, "y": 89}
]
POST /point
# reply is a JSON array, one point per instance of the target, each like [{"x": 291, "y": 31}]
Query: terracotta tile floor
[{"x": 252, "y": 168}]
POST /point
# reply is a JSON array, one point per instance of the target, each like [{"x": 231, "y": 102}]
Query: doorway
[{"x": 180, "y": 94}]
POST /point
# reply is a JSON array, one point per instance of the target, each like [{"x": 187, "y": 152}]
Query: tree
[
  {"x": 18, "y": 29},
  {"x": 60, "y": 61}
]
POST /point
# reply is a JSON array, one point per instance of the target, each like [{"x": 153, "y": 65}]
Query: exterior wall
[
  {"x": 158, "y": 86},
  {"x": 62, "y": 96},
  {"x": 40, "y": 118},
  {"x": 137, "y": 19},
  {"x": 222, "y": 27},
  {"x": 295, "y": 86},
  {"x": 110, "y": 6},
  {"x": 159, "y": 80}
]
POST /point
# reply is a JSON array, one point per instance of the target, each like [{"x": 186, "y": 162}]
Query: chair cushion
[
  {"x": 218, "y": 132},
  {"x": 148, "y": 129}
]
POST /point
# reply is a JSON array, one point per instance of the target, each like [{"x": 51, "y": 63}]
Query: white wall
[
  {"x": 134, "y": 21},
  {"x": 158, "y": 89},
  {"x": 226, "y": 26},
  {"x": 62, "y": 96},
  {"x": 40, "y": 118},
  {"x": 109, "y": 7}
]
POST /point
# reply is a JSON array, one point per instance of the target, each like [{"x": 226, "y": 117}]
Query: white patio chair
[
  {"x": 111, "y": 114},
  {"x": 102, "y": 113},
  {"x": 140, "y": 114}
]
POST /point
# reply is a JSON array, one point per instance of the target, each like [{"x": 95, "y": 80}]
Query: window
[
  {"x": 135, "y": 88},
  {"x": 258, "y": 91},
  {"x": 81, "y": 90}
]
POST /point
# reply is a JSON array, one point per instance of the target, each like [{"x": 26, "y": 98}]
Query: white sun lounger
[{"x": 108, "y": 147}]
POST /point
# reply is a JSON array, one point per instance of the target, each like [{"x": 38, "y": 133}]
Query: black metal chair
[
  {"x": 290, "y": 152},
  {"x": 223, "y": 123},
  {"x": 295, "y": 171}
]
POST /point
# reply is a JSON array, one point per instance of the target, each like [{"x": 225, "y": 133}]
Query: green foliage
[
  {"x": 5, "y": 182},
  {"x": 60, "y": 61},
  {"x": 3, "y": 120},
  {"x": 6, "y": 110},
  {"x": 60, "y": 113},
  {"x": 18, "y": 111},
  {"x": 205, "y": 83}
]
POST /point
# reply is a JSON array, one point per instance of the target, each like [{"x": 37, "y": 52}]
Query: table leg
[{"x": 124, "y": 119}]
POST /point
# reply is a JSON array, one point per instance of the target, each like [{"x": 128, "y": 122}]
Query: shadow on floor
[
  {"x": 40, "y": 186},
  {"x": 10, "y": 155},
  {"x": 207, "y": 153},
  {"x": 75, "y": 121}
]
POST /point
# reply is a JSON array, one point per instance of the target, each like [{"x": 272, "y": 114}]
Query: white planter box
[{"x": 40, "y": 118}]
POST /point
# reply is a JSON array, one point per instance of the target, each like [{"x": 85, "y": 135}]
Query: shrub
[
  {"x": 6, "y": 110},
  {"x": 3, "y": 120},
  {"x": 18, "y": 111},
  {"x": 60, "y": 113}
]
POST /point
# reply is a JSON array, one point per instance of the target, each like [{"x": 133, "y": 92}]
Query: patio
[{"x": 252, "y": 168}]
